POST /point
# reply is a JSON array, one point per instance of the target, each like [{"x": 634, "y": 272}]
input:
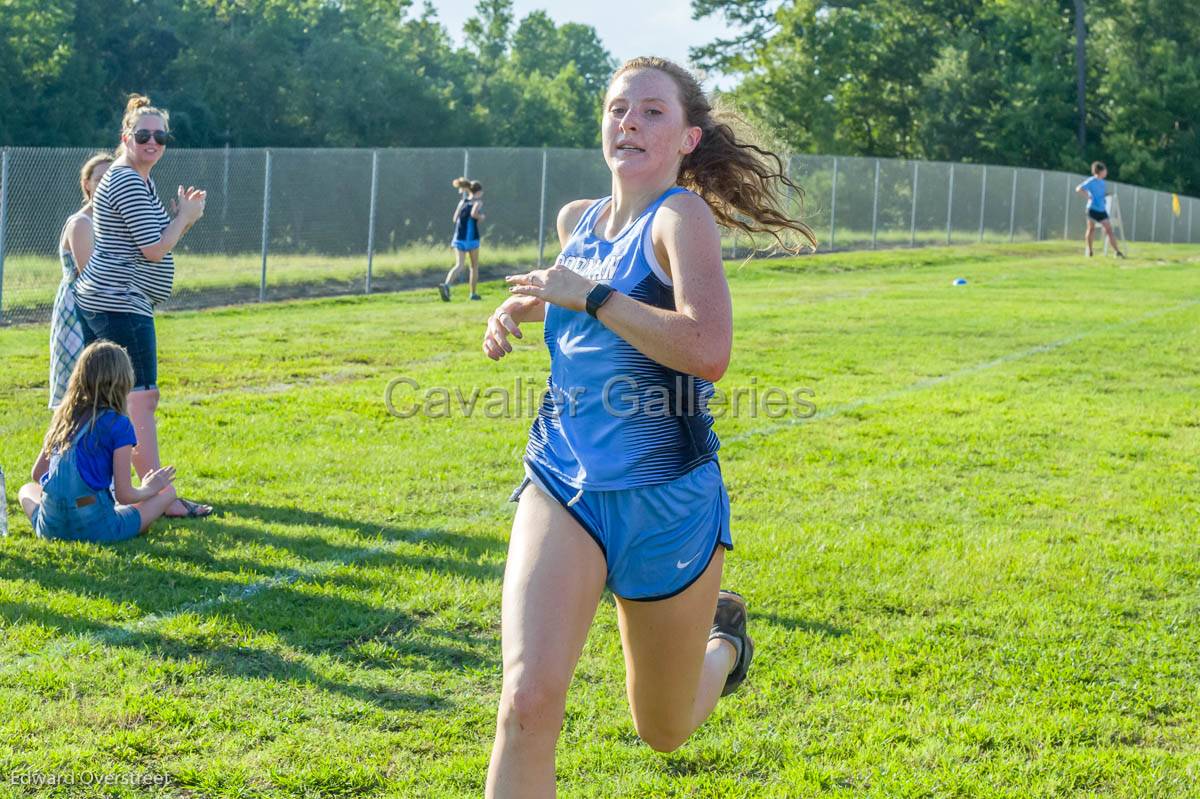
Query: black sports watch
[{"x": 597, "y": 297}]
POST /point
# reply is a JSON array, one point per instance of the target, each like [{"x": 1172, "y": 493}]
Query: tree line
[
  {"x": 298, "y": 73},
  {"x": 988, "y": 81}
]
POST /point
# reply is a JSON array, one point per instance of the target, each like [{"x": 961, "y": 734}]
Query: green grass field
[
  {"x": 205, "y": 280},
  {"x": 973, "y": 573}
]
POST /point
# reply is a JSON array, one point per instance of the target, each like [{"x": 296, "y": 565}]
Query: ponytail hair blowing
[
  {"x": 139, "y": 106},
  {"x": 462, "y": 184},
  {"x": 739, "y": 180}
]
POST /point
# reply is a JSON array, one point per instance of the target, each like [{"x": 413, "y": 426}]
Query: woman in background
[
  {"x": 132, "y": 271},
  {"x": 467, "y": 216},
  {"x": 74, "y": 250}
]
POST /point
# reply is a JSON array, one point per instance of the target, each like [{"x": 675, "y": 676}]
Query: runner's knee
[
  {"x": 532, "y": 704},
  {"x": 661, "y": 735}
]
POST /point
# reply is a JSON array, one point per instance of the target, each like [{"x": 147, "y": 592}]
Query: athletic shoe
[
  {"x": 729, "y": 623},
  {"x": 476, "y": 297},
  {"x": 444, "y": 292},
  {"x": 1120, "y": 254}
]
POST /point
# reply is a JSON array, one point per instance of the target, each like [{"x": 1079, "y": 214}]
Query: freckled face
[{"x": 645, "y": 133}]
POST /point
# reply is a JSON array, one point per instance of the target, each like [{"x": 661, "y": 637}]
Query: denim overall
[{"x": 71, "y": 510}]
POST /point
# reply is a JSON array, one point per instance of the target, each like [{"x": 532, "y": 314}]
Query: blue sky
[{"x": 627, "y": 27}]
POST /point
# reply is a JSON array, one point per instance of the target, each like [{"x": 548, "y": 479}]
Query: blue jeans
[
  {"x": 134, "y": 332},
  {"x": 73, "y": 511}
]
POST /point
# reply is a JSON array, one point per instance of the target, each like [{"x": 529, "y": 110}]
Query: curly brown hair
[{"x": 741, "y": 181}]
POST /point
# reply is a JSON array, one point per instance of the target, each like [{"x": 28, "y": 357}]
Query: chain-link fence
[{"x": 287, "y": 223}]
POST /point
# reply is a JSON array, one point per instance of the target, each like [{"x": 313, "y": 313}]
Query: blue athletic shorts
[
  {"x": 657, "y": 540},
  {"x": 466, "y": 245}
]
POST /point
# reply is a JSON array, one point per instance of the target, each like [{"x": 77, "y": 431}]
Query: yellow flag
[{"x": 1175, "y": 204}]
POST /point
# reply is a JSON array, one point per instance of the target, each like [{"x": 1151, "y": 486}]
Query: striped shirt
[{"x": 127, "y": 216}]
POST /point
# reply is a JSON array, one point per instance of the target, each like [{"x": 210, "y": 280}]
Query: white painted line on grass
[
  {"x": 119, "y": 634},
  {"x": 930, "y": 382}
]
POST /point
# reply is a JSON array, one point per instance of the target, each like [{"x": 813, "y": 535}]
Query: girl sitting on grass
[{"x": 88, "y": 448}]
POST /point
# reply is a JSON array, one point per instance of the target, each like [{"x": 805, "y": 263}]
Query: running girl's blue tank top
[
  {"x": 613, "y": 418},
  {"x": 465, "y": 227}
]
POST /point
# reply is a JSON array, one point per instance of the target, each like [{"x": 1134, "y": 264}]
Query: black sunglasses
[{"x": 160, "y": 136}]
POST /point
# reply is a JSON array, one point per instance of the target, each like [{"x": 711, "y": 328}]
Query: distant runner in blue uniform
[
  {"x": 623, "y": 487},
  {"x": 467, "y": 216},
  {"x": 1095, "y": 189}
]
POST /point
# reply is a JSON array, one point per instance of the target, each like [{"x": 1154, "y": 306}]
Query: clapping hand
[{"x": 189, "y": 204}]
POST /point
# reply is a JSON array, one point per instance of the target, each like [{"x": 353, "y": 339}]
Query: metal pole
[
  {"x": 466, "y": 163},
  {"x": 266, "y": 228},
  {"x": 875, "y": 208},
  {"x": 833, "y": 202},
  {"x": 912, "y": 230},
  {"x": 950, "y": 204},
  {"x": 1191, "y": 213},
  {"x": 1154, "y": 216},
  {"x": 3, "y": 222},
  {"x": 982, "y": 203},
  {"x": 542, "y": 214},
  {"x": 1041, "y": 197},
  {"x": 1012, "y": 209},
  {"x": 225, "y": 200},
  {"x": 371, "y": 221},
  {"x": 1172, "y": 219},
  {"x": 1067, "y": 210},
  {"x": 1133, "y": 234}
]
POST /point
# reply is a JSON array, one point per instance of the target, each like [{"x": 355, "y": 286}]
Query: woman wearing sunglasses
[{"x": 131, "y": 270}]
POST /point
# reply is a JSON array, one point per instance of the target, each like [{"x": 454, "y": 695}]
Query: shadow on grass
[
  {"x": 798, "y": 625},
  {"x": 314, "y": 601},
  {"x": 240, "y": 661}
]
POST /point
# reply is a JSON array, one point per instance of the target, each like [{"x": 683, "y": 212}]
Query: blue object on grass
[{"x": 960, "y": 281}]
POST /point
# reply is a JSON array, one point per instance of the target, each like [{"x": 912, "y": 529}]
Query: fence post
[
  {"x": 542, "y": 214},
  {"x": 3, "y": 225},
  {"x": 982, "y": 203},
  {"x": 912, "y": 229},
  {"x": 950, "y": 204},
  {"x": 371, "y": 221},
  {"x": 225, "y": 200},
  {"x": 875, "y": 208},
  {"x": 1041, "y": 198},
  {"x": 1191, "y": 213},
  {"x": 832, "y": 205},
  {"x": 1133, "y": 234},
  {"x": 266, "y": 225},
  {"x": 1067, "y": 211},
  {"x": 1012, "y": 209},
  {"x": 1154, "y": 216},
  {"x": 466, "y": 163}
]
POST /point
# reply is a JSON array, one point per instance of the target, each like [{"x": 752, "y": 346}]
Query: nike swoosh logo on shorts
[{"x": 679, "y": 564}]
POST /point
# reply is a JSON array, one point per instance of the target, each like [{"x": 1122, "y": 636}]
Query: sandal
[{"x": 194, "y": 510}]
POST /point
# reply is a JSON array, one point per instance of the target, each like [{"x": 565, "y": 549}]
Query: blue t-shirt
[
  {"x": 1096, "y": 188},
  {"x": 94, "y": 458}
]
